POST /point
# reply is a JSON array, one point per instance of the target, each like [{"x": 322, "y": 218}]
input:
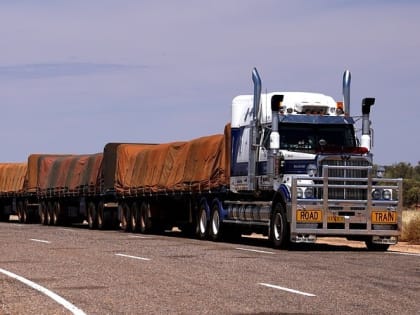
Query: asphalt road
[{"x": 112, "y": 272}]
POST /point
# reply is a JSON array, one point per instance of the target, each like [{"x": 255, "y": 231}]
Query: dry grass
[{"x": 411, "y": 226}]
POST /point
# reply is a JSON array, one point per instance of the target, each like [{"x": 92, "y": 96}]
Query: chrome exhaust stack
[
  {"x": 366, "y": 139},
  {"x": 253, "y": 135},
  {"x": 346, "y": 91}
]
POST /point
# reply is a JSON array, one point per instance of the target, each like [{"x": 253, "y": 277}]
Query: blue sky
[{"x": 75, "y": 75}]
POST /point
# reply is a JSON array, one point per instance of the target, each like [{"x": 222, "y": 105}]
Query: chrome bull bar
[{"x": 323, "y": 215}]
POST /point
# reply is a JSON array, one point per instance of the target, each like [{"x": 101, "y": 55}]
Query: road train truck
[{"x": 289, "y": 165}]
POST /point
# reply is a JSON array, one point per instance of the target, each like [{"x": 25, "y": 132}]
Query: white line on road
[
  {"x": 40, "y": 241},
  {"x": 139, "y": 236},
  {"x": 403, "y": 253},
  {"x": 254, "y": 250},
  {"x": 134, "y": 257},
  {"x": 286, "y": 289},
  {"x": 45, "y": 291}
]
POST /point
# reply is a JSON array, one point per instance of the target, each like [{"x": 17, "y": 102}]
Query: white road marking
[
  {"x": 286, "y": 289},
  {"x": 254, "y": 250},
  {"x": 403, "y": 253},
  {"x": 67, "y": 229},
  {"x": 139, "y": 236},
  {"x": 134, "y": 257},
  {"x": 52, "y": 295},
  {"x": 40, "y": 241}
]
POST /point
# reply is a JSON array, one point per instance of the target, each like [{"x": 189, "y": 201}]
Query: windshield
[{"x": 312, "y": 138}]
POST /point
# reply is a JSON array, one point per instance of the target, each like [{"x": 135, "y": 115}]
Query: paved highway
[{"x": 75, "y": 270}]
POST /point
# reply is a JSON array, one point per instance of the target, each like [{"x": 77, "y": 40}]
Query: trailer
[
  {"x": 58, "y": 187},
  {"x": 12, "y": 176}
]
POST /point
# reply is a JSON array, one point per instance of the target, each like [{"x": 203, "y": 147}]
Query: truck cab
[{"x": 300, "y": 150}]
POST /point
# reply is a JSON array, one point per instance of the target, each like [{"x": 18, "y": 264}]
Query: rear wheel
[
  {"x": 279, "y": 228},
  {"x": 24, "y": 215},
  {"x": 50, "y": 210},
  {"x": 56, "y": 214},
  {"x": 101, "y": 222},
  {"x": 43, "y": 213},
  {"x": 125, "y": 217},
  {"x": 202, "y": 222},
  {"x": 145, "y": 218},
  {"x": 215, "y": 227},
  {"x": 135, "y": 215},
  {"x": 92, "y": 216}
]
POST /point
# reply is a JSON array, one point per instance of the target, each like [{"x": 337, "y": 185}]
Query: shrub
[{"x": 411, "y": 227}]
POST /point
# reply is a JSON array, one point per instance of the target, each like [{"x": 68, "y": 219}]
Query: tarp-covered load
[
  {"x": 12, "y": 177},
  {"x": 193, "y": 166},
  {"x": 67, "y": 174},
  {"x": 109, "y": 164}
]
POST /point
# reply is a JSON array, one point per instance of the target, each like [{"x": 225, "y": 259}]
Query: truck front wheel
[
  {"x": 376, "y": 247},
  {"x": 279, "y": 229}
]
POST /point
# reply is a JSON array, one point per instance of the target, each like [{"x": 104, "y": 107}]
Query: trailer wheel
[
  {"x": 125, "y": 217},
  {"x": 376, "y": 247},
  {"x": 101, "y": 222},
  {"x": 19, "y": 207},
  {"x": 42, "y": 209},
  {"x": 202, "y": 222},
  {"x": 92, "y": 216},
  {"x": 215, "y": 227},
  {"x": 135, "y": 214},
  {"x": 145, "y": 218},
  {"x": 50, "y": 210},
  {"x": 56, "y": 214},
  {"x": 279, "y": 229}
]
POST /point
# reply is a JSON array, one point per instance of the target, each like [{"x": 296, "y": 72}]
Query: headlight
[
  {"x": 380, "y": 171},
  {"x": 309, "y": 193},
  {"x": 311, "y": 170},
  {"x": 299, "y": 193},
  {"x": 376, "y": 194},
  {"x": 386, "y": 194}
]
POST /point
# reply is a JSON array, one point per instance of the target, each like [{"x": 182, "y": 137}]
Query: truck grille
[{"x": 346, "y": 193}]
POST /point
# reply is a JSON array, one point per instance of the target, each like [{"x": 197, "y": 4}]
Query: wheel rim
[
  {"x": 215, "y": 223},
  {"x": 277, "y": 227},
  {"x": 203, "y": 221}
]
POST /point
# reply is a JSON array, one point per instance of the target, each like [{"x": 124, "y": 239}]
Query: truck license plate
[
  {"x": 384, "y": 217},
  {"x": 335, "y": 219},
  {"x": 309, "y": 216}
]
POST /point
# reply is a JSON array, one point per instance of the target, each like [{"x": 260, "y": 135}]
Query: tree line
[{"x": 411, "y": 181}]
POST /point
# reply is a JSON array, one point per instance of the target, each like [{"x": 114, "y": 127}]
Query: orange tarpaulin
[
  {"x": 12, "y": 176},
  {"x": 63, "y": 172},
  {"x": 196, "y": 165}
]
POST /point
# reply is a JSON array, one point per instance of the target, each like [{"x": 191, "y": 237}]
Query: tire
[
  {"x": 279, "y": 228},
  {"x": 135, "y": 217},
  {"x": 202, "y": 222},
  {"x": 56, "y": 214},
  {"x": 215, "y": 226},
  {"x": 376, "y": 247},
  {"x": 145, "y": 222},
  {"x": 100, "y": 216},
  {"x": 50, "y": 210},
  {"x": 92, "y": 216},
  {"x": 125, "y": 217},
  {"x": 20, "y": 212},
  {"x": 43, "y": 213}
]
